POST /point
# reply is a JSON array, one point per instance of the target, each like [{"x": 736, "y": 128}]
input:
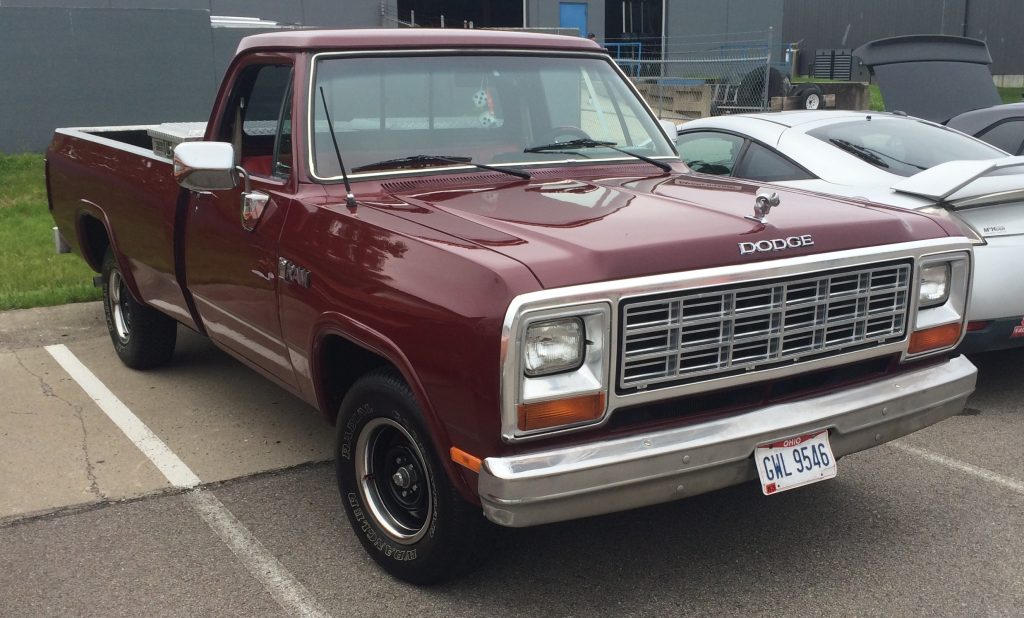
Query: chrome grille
[{"x": 699, "y": 333}]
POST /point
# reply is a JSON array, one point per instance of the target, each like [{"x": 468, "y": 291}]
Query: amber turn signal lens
[
  {"x": 934, "y": 338},
  {"x": 464, "y": 459},
  {"x": 546, "y": 414}
]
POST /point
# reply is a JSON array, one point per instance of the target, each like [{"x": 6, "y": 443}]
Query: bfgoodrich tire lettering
[
  {"x": 397, "y": 495},
  {"x": 142, "y": 336}
]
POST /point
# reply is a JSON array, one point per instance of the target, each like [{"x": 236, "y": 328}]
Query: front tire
[
  {"x": 398, "y": 498},
  {"x": 142, "y": 336}
]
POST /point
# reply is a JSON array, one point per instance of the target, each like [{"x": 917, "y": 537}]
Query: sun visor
[{"x": 934, "y": 77}]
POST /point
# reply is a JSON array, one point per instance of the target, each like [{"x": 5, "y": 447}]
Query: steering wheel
[{"x": 556, "y": 135}]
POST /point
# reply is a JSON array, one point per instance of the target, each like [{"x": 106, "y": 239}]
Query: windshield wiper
[
  {"x": 865, "y": 154},
  {"x": 427, "y": 160},
  {"x": 573, "y": 144}
]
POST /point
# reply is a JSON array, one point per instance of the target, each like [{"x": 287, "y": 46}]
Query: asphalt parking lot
[{"x": 932, "y": 525}]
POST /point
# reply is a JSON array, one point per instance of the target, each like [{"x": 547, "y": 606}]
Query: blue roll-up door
[{"x": 573, "y": 15}]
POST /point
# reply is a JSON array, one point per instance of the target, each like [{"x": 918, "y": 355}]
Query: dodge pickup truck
[{"x": 480, "y": 257}]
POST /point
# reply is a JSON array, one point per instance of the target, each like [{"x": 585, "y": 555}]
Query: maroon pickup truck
[{"x": 478, "y": 254}]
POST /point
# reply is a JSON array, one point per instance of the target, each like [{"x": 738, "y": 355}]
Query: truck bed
[{"x": 110, "y": 177}]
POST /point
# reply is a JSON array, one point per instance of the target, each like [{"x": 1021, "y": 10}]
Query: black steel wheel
[
  {"x": 401, "y": 504},
  {"x": 393, "y": 480},
  {"x": 142, "y": 336}
]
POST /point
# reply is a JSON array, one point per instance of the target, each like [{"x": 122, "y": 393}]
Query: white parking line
[
  {"x": 177, "y": 473},
  {"x": 962, "y": 466},
  {"x": 289, "y": 593}
]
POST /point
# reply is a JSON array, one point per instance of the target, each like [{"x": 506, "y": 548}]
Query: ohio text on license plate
[{"x": 794, "y": 462}]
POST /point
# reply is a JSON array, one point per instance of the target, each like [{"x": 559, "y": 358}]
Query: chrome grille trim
[
  {"x": 615, "y": 292},
  {"x": 702, "y": 333}
]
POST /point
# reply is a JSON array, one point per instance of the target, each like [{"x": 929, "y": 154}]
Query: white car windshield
[
  {"x": 903, "y": 146},
  {"x": 414, "y": 112}
]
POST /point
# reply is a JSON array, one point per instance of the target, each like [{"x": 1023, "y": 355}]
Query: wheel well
[
  {"x": 94, "y": 241},
  {"x": 341, "y": 364}
]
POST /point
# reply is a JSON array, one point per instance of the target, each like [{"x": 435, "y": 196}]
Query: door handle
[{"x": 253, "y": 203}]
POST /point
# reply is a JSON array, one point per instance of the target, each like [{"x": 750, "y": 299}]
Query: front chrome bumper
[{"x": 615, "y": 475}]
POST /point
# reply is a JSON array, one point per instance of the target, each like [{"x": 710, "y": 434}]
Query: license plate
[{"x": 794, "y": 462}]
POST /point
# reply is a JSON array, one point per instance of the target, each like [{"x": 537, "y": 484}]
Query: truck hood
[{"x": 573, "y": 231}]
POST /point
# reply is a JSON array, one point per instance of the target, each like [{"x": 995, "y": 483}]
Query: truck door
[{"x": 231, "y": 238}]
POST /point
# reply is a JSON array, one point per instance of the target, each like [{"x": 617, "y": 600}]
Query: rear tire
[
  {"x": 398, "y": 498},
  {"x": 142, "y": 336}
]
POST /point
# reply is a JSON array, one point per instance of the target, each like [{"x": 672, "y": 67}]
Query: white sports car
[{"x": 894, "y": 160}]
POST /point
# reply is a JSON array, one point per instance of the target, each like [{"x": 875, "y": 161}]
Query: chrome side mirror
[
  {"x": 670, "y": 128},
  {"x": 205, "y": 166}
]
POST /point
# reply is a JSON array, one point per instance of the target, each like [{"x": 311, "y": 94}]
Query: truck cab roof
[{"x": 411, "y": 38}]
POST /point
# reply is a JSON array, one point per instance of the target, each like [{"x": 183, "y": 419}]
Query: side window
[
  {"x": 759, "y": 163},
  {"x": 709, "y": 152},
  {"x": 282, "y": 166},
  {"x": 1006, "y": 135},
  {"x": 257, "y": 121}
]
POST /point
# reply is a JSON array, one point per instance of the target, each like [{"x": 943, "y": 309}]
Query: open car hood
[{"x": 931, "y": 76}]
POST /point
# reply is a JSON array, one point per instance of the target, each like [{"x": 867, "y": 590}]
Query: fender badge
[
  {"x": 1018, "y": 331},
  {"x": 289, "y": 271},
  {"x": 764, "y": 201}
]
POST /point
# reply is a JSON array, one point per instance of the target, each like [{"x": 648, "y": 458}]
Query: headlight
[
  {"x": 554, "y": 346},
  {"x": 933, "y": 286},
  {"x": 943, "y": 289},
  {"x": 966, "y": 228},
  {"x": 557, "y": 377}
]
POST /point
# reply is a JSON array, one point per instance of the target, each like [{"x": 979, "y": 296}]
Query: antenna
[{"x": 350, "y": 200}]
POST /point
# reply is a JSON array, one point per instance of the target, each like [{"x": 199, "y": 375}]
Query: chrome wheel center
[
  {"x": 119, "y": 306},
  {"x": 404, "y": 477},
  {"x": 393, "y": 480}
]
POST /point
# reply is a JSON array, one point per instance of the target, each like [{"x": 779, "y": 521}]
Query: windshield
[
  {"x": 903, "y": 146},
  {"x": 413, "y": 112}
]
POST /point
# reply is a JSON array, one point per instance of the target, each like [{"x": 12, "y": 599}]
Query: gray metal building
[
  {"x": 98, "y": 62},
  {"x": 850, "y": 23},
  {"x": 119, "y": 62}
]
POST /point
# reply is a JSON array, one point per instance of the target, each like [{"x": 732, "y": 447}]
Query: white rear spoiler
[{"x": 943, "y": 180}]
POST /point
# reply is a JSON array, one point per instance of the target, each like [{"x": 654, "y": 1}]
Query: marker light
[
  {"x": 568, "y": 411},
  {"x": 934, "y": 338}
]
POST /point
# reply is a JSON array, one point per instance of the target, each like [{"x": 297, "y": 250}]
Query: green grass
[
  {"x": 31, "y": 273},
  {"x": 1009, "y": 95}
]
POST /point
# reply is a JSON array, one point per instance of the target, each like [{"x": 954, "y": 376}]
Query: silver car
[{"x": 894, "y": 160}]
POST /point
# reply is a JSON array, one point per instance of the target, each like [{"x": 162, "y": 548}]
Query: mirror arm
[{"x": 247, "y": 187}]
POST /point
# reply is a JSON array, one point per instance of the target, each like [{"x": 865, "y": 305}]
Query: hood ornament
[{"x": 764, "y": 201}]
